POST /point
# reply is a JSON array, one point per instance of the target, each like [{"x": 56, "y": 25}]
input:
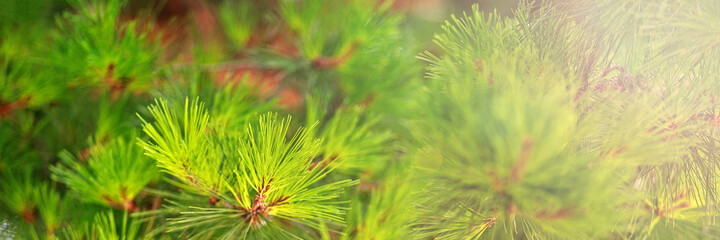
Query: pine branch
[
  {"x": 112, "y": 174},
  {"x": 264, "y": 177}
]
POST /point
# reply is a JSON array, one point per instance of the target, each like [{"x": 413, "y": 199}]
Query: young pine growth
[
  {"x": 93, "y": 47},
  {"x": 257, "y": 181},
  {"x": 105, "y": 226},
  {"x": 39, "y": 206},
  {"x": 111, "y": 174}
]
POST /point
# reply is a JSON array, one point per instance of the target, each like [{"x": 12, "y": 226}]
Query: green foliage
[
  {"x": 51, "y": 207},
  {"x": 235, "y": 105},
  {"x": 387, "y": 51},
  {"x": 16, "y": 12},
  {"x": 496, "y": 141},
  {"x": 387, "y": 214},
  {"x": 240, "y": 19},
  {"x": 283, "y": 171},
  {"x": 20, "y": 87},
  {"x": 330, "y": 33},
  {"x": 15, "y": 147},
  {"x": 111, "y": 173},
  {"x": 105, "y": 226},
  {"x": 632, "y": 140},
  {"x": 181, "y": 147},
  {"x": 94, "y": 48},
  {"x": 257, "y": 175},
  {"x": 34, "y": 203},
  {"x": 565, "y": 120},
  {"x": 21, "y": 31},
  {"x": 22, "y": 198},
  {"x": 350, "y": 143}
]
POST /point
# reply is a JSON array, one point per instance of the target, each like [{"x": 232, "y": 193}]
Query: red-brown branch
[
  {"x": 125, "y": 203},
  {"x": 6, "y": 108},
  {"x": 29, "y": 215},
  {"x": 555, "y": 215},
  {"x": 331, "y": 62},
  {"x": 516, "y": 173}
]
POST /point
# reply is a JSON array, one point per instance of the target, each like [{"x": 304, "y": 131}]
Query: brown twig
[
  {"x": 516, "y": 173},
  {"x": 331, "y": 62},
  {"x": 6, "y": 108}
]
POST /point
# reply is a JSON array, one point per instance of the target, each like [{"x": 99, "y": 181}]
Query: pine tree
[
  {"x": 312, "y": 119},
  {"x": 572, "y": 120}
]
